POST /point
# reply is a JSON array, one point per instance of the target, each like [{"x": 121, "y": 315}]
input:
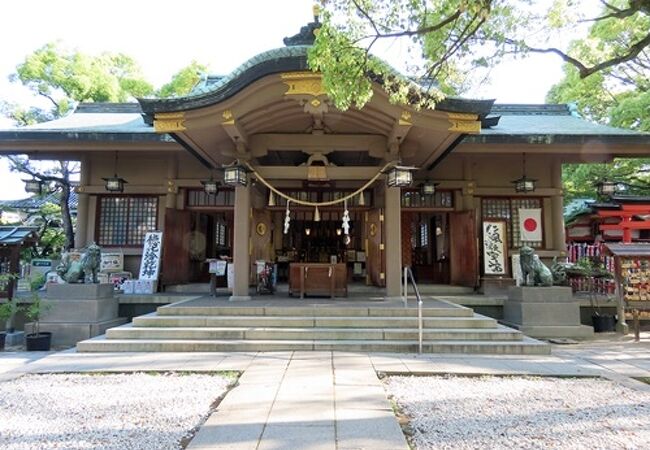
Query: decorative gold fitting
[{"x": 169, "y": 122}]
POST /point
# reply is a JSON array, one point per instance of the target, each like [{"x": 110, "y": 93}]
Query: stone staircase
[{"x": 181, "y": 328}]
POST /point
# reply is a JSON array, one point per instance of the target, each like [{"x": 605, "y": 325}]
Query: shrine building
[{"x": 306, "y": 186}]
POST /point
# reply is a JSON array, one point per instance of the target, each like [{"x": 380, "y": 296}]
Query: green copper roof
[
  {"x": 550, "y": 124},
  {"x": 278, "y": 60},
  {"x": 216, "y": 89}
]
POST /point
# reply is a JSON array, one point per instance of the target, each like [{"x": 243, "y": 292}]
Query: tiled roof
[
  {"x": 92, "y": 121},
  {"x": 36, "y": 201},
  {"x": 16, "y": 235},
  {"x": 549, "y": 124}
]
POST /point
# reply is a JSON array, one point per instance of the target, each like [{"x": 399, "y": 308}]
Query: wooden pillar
[
  {"x": 468, "y": 192},
  {"x": 557, "y": 210},
  {"x": 81, "y": 232},
  {"x": 393, "y": 242},
  {"x": 241, "y": 251},
  {"x": 172, "y": 189}
]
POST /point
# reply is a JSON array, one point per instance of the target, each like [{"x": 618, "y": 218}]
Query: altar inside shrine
[{"x": 321, "y": 279}]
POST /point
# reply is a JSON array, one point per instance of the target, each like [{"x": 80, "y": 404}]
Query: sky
[{"x": 164, "y": 36}]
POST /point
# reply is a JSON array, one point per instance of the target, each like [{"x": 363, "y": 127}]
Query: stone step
[
  {"x": 156, "y": 321},
  {"x": 525, "y": 347},
  {"x": 251, "y": 333},
  {"x": 312, "y": 311}
]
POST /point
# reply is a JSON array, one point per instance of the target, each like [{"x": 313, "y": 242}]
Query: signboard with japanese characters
[
  {"x": 494, "y": 247},
  {"x": 150, "y": 264},
  {"x": 112, "y": 261}
]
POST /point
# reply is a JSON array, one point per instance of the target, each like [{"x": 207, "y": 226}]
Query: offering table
[{"x": 318, "y": 279}]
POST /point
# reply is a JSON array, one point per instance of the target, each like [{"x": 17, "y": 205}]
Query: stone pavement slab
[{"x": 332, "y": 400}]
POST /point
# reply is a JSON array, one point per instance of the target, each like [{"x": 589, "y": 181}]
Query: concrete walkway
[{"x": 332, "y": 400}]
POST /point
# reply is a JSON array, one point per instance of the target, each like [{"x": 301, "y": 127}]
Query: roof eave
[{"x": 635, "y": 139}]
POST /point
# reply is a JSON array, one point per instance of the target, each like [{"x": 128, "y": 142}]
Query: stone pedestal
[
  {"x": 15, "y": 338},
  {"x": 544, "y": 312},
  {"x": 79, "y": 311},
  {"x": 496, "y": 286}
]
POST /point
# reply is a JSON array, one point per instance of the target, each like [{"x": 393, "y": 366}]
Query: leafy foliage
[
  {"x": 35, "y": 310},
  {"x": 50, "y": 232},
  {"x": 183, "y": 81},
  {"x": 579, "y": 179},
  {"x": 448, "y": 39},
  {"x": 617, "y": 95},
  {"x": 58, "y": 178},
  {"x": 67, "y": 76}
]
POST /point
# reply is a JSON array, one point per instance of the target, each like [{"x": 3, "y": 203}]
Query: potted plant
[
  {"x": 7, "y": 312},
  {"x": 594, "y": 269},
  {"x": 37, "y": 340}
]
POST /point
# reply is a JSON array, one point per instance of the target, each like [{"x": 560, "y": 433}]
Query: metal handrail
[{"x": 408, "y": 274}]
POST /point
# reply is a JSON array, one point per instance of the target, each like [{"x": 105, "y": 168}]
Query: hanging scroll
[
  {"x": 150, "y": 265},
  {"x": 494, "y": 247}
]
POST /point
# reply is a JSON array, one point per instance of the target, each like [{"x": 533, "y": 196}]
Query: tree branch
[
  {"x": 50, "y": 98},
  {"x": 585, "y": 71},
  {"x": 406, "y": 33},
  {"x": 21, "y": 166}
]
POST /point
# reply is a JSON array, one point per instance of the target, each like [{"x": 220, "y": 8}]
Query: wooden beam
[
  {"x": 333, "y": 173},
  {"x": 260, "y": 144},
  {"x": 128, "y": 189},
  {"x": 639, "y": 225}
]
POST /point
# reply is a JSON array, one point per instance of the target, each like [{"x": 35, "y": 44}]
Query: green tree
[
  {"x": 448, "y": 39},
  {"x": 617, "y": 95},
  {"x": 183, "y": 81},
  {"x": 579, "y": 180},
  {"x": 51, "y": 235},
  {"x": 58, "y": 178},
  {"x": 65, "y": 77}
]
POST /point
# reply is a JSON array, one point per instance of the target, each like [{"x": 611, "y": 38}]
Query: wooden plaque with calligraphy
[{"x": 495, "y": 248}]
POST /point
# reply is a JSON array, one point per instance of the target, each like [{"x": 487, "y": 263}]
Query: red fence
[{"x": 577, "y": 251}]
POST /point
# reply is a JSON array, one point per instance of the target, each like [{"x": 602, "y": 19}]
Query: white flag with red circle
[{"x": 530, "y": 224}]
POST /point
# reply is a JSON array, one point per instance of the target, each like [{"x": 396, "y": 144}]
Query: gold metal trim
[
  {"x": 169, "y": 122},
  {"x": 462, "y": 116},
  {"x": 464, "y": 123},
  {"x": 228, "y": 118},
  {"x": 382, "y": 246},
  {"x": 465, "y": 126},
  {"x": 261, "y": 228},
  {"x": 405, "y": 118},
  {"x": 303, "y": 83}
]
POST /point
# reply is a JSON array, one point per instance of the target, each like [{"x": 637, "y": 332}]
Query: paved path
[{"x": 332, "y": 400}]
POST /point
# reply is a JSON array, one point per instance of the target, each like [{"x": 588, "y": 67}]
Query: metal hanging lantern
[
  {"x": 33, "y": 186},
  {"x": 114, "y": 183},
  {"x": 607, "y": 188},
  {"x": 428, "y": 188},
  {"x": 211, "y": 186},
  {"x": 399, "y": 176},
  {"x": 235, "y": 175},
  {"x": 524, "y": 184}
]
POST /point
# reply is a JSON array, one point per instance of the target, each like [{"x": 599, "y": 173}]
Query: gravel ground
[
  {"x": 122, "y": 411},
  {"x": 522, "y": 413}
]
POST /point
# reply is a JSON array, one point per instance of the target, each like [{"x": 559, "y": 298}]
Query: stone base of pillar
[{"x": 240, "y": 298}]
